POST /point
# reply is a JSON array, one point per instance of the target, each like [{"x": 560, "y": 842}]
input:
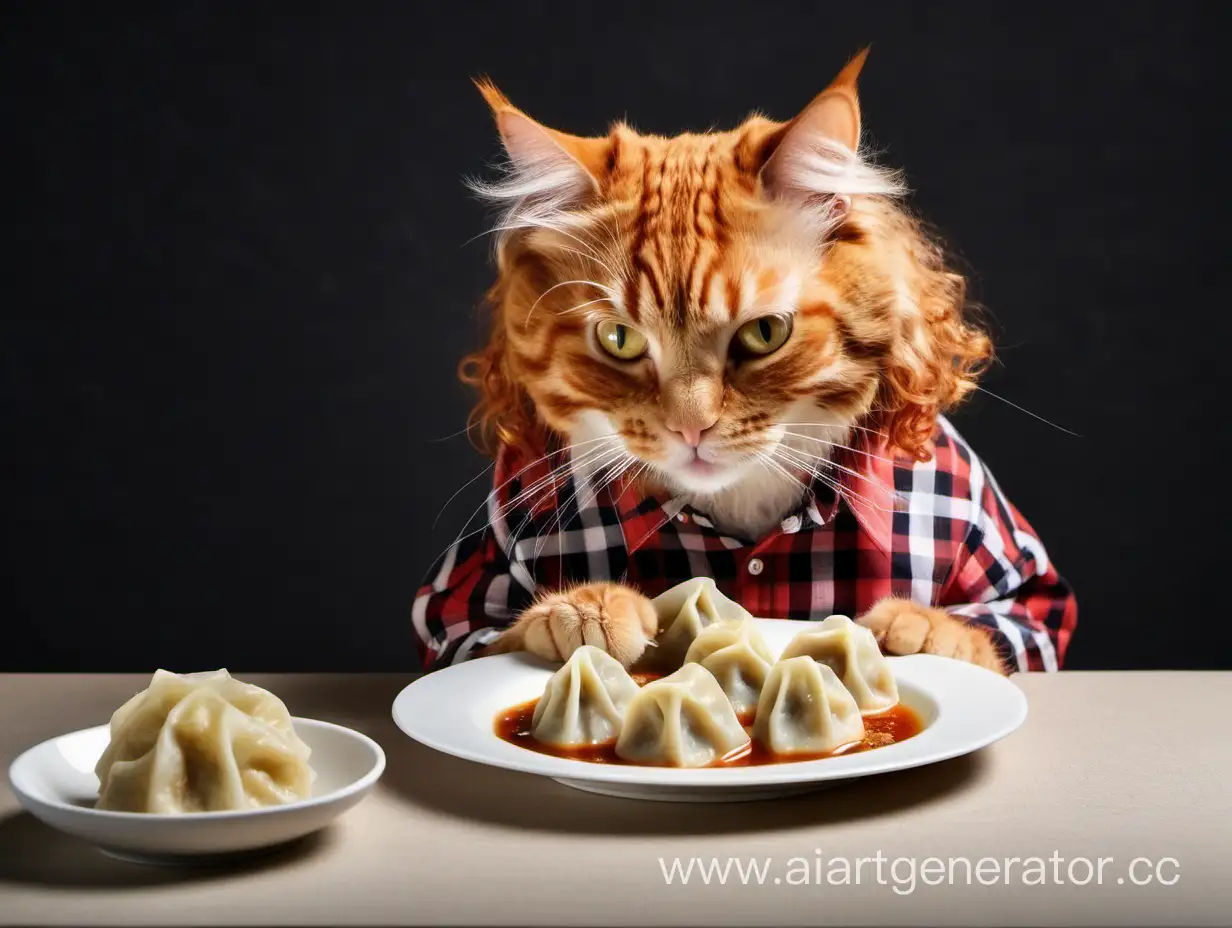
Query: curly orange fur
[
  {"x": 918, "y": 384},
  {"x": 504, "y": 413}
]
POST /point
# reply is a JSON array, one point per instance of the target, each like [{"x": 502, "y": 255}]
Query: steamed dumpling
[
  {"x": 585, "y": 701},
  {"x": 737, "y": 656},
  {"x": 202, "y": 742},
  {"x": 683, "y": 611},
  {"x": 683, "y": 720},
  {"x": 804, "y": 709},
  {"x": 851, "y": 651}
]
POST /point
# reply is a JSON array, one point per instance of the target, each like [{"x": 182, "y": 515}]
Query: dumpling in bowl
[
  {"x": 683, "y": 720},
  {"x": 585, "y": 701},
  {"x": 737, "y": 656},
  {"x": 804, "y": 709},
  {"x": 202, "y": 742},
  {"x": 851, "y": 651},
  {"x": 683, "y": 611}
]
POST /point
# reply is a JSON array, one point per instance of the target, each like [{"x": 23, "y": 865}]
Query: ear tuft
[
  {"x": 496, "y": 100},
  {"x": 851, "y": 70},
  {"x": 814, "y": 159},
  {"x": 548, "y": 173}
]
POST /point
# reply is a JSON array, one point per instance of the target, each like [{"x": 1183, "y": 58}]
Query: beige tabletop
[{"x": 1109, "y": 765}]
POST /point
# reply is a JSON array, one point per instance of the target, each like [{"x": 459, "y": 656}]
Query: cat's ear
[
  {"x": 797, "y": 157},
  {"x": 545, "y": 161}
]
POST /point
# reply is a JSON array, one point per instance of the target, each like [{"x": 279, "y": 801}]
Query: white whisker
[
  {"x": 440, "y": 511},
  {"x": 838, "y": 487},
  {"x": 567, "y": 450},
  {"x": 581, "y": 480},
  {"x": 659, "y": 523},
  {"x": 573, "y": 309},
  {"x": 855, "y": 428},
  {"x": 558, "y": 474},
  {"x": 590, "y": 257},
  {"x": 565, "y": 283},
  {"x": 553, "y": 473},
  {"x": 769, "y": 459},
  {"x": 835, "y": 444},
  {"x": 875, "y": 481},
  {"x": 514, "y": 227},
  {"x": 1028, "y": 412},
  {"x": 452, "y": 434}
]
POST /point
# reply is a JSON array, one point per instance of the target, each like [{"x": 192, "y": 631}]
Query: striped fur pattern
[{"x": 684, "y": 240}]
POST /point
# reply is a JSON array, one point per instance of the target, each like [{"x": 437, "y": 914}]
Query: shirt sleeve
[
  {"x": 1003, "y": 580},
  {"x": 468, "y": 598}
]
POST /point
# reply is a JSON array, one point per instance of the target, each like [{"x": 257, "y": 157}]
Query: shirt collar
[{"x": 870, "y": 494}]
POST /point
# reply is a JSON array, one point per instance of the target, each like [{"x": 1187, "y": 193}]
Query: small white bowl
[{"x": 55, "y": 783}]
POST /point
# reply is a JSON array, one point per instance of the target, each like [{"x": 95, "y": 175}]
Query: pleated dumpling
[
  {"x": 585, "y": 701},
  {"x": 735, "y": 653},
  {"x": 804, "y": 709},
  {"x": 683, "y": 611},
  {"x": 202, "y": 742},
  {"x": 851, "y": 651},
  {"x": 682, "y": 720}
]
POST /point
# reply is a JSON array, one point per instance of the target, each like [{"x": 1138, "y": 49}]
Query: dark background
[{"x": 237, "y": 279}]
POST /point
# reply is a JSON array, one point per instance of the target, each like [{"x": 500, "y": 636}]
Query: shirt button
[{"x": 755, "y": 567}]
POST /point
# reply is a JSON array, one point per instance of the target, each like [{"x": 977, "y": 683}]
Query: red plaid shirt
[{"x": 939, "y": 532}]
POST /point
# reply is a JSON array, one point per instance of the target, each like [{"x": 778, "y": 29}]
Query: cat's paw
[
  {"x": 904, "y": 627},
  {"x": 612, "y": 617}
]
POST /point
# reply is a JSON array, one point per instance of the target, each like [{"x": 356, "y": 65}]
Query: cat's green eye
[
  {"x": 620, "y": 341},
  {"x": 765, "y": 335}
]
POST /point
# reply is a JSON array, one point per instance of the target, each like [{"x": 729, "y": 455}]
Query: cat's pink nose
[
  {"x": 691, "y": 420},
  {"x": 692, "y": 437}
]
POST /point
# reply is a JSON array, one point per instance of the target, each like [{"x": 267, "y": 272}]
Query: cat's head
[{"x": 719, "y": 307}]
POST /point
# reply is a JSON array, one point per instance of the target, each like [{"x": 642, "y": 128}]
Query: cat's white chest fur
[{"x": 751, "y": 508}]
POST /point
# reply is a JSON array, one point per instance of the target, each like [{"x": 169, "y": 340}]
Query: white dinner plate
[
  {"x": 454, "y": 710},
  {"x": 55, "y": 783}
]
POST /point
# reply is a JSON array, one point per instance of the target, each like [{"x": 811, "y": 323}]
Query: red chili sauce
[{"x": 898, "y": 723}]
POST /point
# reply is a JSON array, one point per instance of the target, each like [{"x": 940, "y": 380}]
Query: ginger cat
[{"x": 735, "y": 320}]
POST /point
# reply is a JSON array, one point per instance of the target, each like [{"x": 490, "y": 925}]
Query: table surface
[{"x": 1109, "y": 765}]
